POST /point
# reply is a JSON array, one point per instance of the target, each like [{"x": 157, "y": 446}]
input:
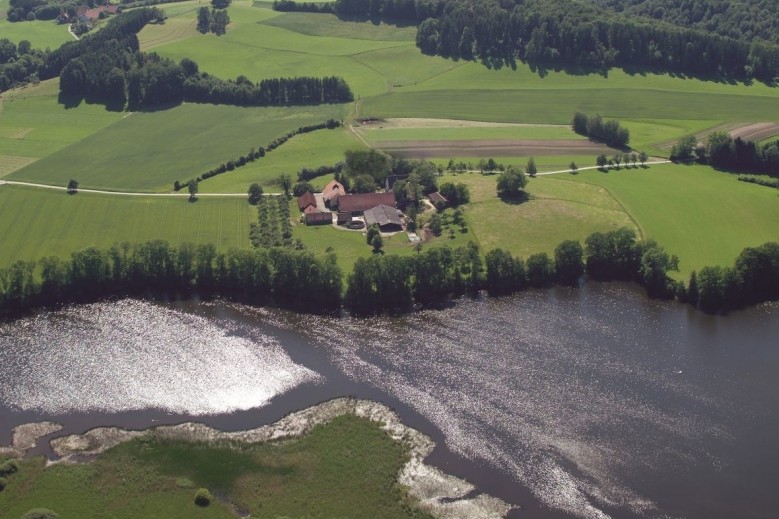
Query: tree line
[
  {"x": 289, "y": 278},
  {"x": 258, "y": 153},
  {"x": 724, "y": 152},
  {"x": 298, "y": 279},
  {"x": 576, "y": 36},
  {"x": 593, "y": 126}
]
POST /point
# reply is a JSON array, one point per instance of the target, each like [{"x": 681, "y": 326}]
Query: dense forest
[
  {"x": 576, "y": 36},
  {"x": 293, "y": 278},
  {"x": 738, "y": 19},
  {"x": 109, "y": 67}
]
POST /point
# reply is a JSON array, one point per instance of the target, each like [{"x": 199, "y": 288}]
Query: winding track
[{"x": 236, "y": 195}]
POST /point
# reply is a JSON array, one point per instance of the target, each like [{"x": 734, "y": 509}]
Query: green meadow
[
  {"x": 345, "y": 468},
  {"x": 41, "y": 34},
  {"x": 703, "y": 216},
  {"x": 555, "y": 211},
  {"x": 33, "y": 124},
  {"x": 148, "y": 151},
  {"x": 309, "y": 150},
  {"x": 35, "y": 223}
]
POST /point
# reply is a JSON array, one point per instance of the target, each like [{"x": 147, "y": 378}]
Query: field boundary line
[{"x": 126, "y": 193}]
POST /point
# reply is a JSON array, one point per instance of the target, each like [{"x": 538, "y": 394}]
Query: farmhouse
[
  {"x": 385, "y": 217},
  {"x": 319, "y": 218},
  {"x": 356, "y": 204},
  {"x": 331, "y": 192},
  {"x": 307, "y": 203},
  {"x": 437, "y": 198}
]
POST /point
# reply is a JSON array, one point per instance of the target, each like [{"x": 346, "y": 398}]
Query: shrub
[
  {"x": 9, "y": 467},
  {"x": 3, "y": 483},
  {"x": 203, "y": 497},
  {"x": 40, "y": 513}
]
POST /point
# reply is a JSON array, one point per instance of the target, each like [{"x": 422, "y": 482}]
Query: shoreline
[{"x": 442, "y": 495}]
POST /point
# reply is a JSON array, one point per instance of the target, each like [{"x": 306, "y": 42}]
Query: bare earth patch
[
  {"x": 26, "y": 436},
  {"x": 747, "y": 131},
  {"x": 442, "y": 495},
  {"x": 756, "y": 131},
  {"x": 409, "y": 122},
  {"x": 492, "y": 148}
]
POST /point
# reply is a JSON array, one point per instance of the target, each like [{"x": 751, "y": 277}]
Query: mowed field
[
  {"x": 555, "y": 211},
  {"x": 148, "y": 151},
  {"x": 41, "y": 34},
  {"x": 33, "y": 124},
  {"x": 310, "y": 150},
  {"x": 703, "y": 216},
  {"x": 35, "y": 223}
]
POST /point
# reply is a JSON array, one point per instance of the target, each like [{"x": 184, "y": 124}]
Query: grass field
[
  {"x": 147, "y": 151},
  {"x": 311, "y": 150},
  {"x": 33, "y": 124},
  {"x": 704, "y": 217},
  {"x": 41, "y": 34},
  {"x": 346, "y": 468},
  {"x": 35, "y": 223},
  {"x": 556, "y": 211}
]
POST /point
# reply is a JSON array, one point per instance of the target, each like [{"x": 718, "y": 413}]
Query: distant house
[
  {"x": 357, "y": 204},
  {"x": 331, "y": 192},
  {"x": 319, "y": 218},
  {"x": 437, "y": 198},
  {"x": 307, "y": 202},
  {"x": 94, "y": 14},
  {"x": 385, "y": 217}
]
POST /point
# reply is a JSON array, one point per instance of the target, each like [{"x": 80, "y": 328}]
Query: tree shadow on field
[
  {"x": 69, "y": 101},
  {"x": 515, "y": 200}
]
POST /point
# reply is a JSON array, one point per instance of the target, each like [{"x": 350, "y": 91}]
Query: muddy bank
[
  {"x": 440, "y": 494},
  {"x": 25, "y": 437}
]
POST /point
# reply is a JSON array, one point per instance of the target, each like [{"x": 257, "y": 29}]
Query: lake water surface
[{"x": 573, "y": 403}]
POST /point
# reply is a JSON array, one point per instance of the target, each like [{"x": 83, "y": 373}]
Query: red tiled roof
[
  {"x": 305, "y": 200},
  {"x": 363, "y": 202},
  {"x": 332, "y": 189}
]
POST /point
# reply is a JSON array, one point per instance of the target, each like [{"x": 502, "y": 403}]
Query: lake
[{"x": 588, "y": 403}]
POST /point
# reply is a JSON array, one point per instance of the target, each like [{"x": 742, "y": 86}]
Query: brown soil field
[
  {"x": 748, "y": 131},
  {"x": 756, "y": 131},
  {"x": 492, "y": 148}
]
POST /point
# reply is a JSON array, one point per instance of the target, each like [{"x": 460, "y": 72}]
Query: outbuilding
[{"x": 385, "y": 217}]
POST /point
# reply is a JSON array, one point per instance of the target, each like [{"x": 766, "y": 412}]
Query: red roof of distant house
[
  {"x": 305, "y": 200},
  {"x": 363, "y": 202},
  {"x": 332, "y": 189},
  {"x": 436, "y": 197},
  {"x": 93, "y": 14}
]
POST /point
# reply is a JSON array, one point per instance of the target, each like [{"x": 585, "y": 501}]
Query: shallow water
[{"x": 589, "y": 403}]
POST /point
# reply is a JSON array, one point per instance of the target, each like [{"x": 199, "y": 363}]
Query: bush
[
  {"x": 40, "y": 513},
  {"x": 3, "y": 483},
  {"x": 9, "y": 467},
  {"x": 203, "y": 497}
]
